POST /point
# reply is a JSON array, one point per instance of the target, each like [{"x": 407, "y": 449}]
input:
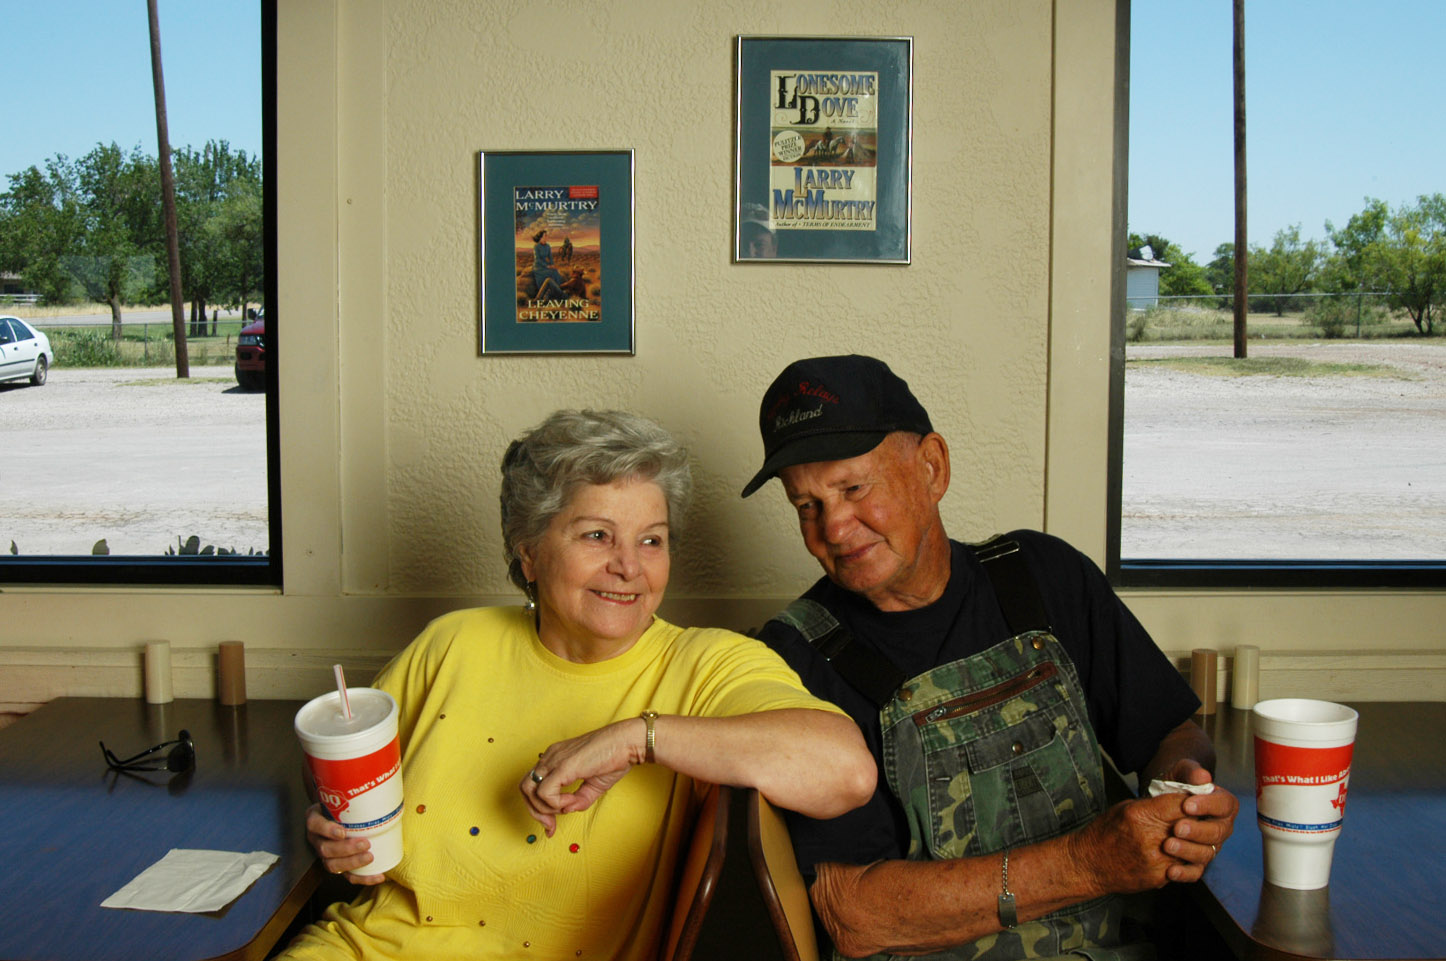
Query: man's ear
[{"x": 934, "y": 453}]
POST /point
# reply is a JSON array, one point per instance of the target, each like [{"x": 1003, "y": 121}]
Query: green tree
[
  {"x": 238, "y": 240},
  {"x": 1220, "y": 273},
  {"x": 1411, "y": 259},
  {"x": 41, "y": 224},
  {"x": 119, "y": 196},
  {"x": 1355, "y": 263},
  {"x": 1401, "y": 252},
  {"x": 1289, "y": 266},
  {"x": 1184, "y": 277},
  {"x": 219, "y": 219}
]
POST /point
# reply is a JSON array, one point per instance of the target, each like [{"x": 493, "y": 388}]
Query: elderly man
[{"x": 986, "y": 679}]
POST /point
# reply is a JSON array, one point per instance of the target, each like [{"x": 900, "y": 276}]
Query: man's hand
[
  {"x": 1142, "y": 844},
  {"x": 1209, "y": 822}
]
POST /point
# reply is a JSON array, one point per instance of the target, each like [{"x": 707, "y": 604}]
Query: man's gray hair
[{"x": 544, "y": 467}]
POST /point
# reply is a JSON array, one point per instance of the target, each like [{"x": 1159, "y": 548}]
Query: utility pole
[
  {"x": 1242, "y": 248},
  {"x": 168, "y": 198}
]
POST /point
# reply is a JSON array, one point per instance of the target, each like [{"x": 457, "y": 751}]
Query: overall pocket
[{"x": 1006, "y": 765}]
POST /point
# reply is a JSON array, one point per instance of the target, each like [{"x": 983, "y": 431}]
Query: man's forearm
[{"x": 916, "y": 907}]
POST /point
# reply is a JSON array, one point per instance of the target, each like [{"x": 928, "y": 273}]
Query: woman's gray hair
[{"x": 544, "y": 467}]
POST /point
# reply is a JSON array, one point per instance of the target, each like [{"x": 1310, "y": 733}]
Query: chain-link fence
[
  {"x": 1363, "y": 316},
  {"x": 141, "y": 344}
]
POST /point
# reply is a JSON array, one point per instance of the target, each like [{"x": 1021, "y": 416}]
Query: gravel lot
[
  {"x": 133, "y": 456},
  {"x": 1260, "y": 466},
  {"x": 1324, "y": 467}
]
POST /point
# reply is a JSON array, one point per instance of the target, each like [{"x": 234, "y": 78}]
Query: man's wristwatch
[
  {"x": 1007, "y": 915},
  {"x": 649, "y": 717}
]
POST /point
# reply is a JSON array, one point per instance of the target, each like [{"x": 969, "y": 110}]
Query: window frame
[
  {"x": 210, "y": 571},
  {"x": 1145, "y": 572}
]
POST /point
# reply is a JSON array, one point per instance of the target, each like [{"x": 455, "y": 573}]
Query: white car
[{"x": 24, "y": 352}]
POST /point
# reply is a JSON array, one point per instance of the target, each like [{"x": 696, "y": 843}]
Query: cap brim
[{"x": 835, "y": 445}]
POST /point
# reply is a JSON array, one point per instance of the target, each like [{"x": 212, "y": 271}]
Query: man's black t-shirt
[{"x": 1135, "y": 694}]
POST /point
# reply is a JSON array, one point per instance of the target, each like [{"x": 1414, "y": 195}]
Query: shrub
[{"x": 85, "y": 348}]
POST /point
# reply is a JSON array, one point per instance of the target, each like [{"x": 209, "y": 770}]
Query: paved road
[
  {"x": 1333, "y": 467},
  {"x": 160, "y": 315},
  {"x": 1278, "y": 467},
  {"x": 133, "y": 456}
]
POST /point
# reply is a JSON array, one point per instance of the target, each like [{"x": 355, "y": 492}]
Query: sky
[
  {"x": 79, "y": 73},
  {"x": 1343, "y": 101}
]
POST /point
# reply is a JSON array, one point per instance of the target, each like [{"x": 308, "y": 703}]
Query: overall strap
[
  {"x": 1014, "y": 585},
  {"x": 872, "y": 674}
]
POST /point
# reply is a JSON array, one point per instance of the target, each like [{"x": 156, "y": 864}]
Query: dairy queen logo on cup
[
  {"x": 351, "y": 786},
  {"x": 1315, "y": 777}
]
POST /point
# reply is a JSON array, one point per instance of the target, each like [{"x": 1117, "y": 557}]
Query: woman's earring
[{"x": 531, "y": 591}]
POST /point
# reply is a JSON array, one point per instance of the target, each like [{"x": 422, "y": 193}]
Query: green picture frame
[
  {"x": 823, "y": 150},
  {"x": 555, "y": 243}
]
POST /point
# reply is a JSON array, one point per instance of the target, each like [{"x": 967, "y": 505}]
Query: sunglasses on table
[{"x": 180, "y": 755}]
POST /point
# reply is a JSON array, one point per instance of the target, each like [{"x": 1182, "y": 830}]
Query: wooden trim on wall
[{"x": 30, "y": 676}]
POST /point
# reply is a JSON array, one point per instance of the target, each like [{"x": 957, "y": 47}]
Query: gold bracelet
[{"x": 649, "y": 717}]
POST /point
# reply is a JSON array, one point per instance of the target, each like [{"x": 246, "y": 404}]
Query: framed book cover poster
[
  {"x": 822, "y": 167},
  {"x": 556, "y": 243}
]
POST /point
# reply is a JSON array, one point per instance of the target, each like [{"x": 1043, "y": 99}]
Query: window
[
  {"x": 1317, "y": 459},
  {"x": 119, "y": 469}
]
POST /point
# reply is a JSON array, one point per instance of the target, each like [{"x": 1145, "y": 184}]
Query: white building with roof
[{"x": 1142, "y": 278}]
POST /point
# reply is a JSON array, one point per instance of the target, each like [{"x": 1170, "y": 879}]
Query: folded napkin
[
  {"x": 191, "y": 880},
  {"x": 1158, "y": 787}
]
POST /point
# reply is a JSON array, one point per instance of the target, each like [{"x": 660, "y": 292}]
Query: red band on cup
[
  {"x": 340, "y": 782},
  {"x": 1280, "y": 764}
]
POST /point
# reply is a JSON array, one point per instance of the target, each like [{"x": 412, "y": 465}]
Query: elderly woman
[{"x": 552, "y": 753}]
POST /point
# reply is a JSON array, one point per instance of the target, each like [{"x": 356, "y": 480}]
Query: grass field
[
  {"x": 142, "y": 344},
  {"x": 1326, "y": 319},
  {"x": 1268, "y": 367}
]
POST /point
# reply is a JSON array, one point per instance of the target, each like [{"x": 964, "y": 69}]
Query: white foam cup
[
  {"x": 1302, "y": 769},
  {"x": 356, "y": 763}
]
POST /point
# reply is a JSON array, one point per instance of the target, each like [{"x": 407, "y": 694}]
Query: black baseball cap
[{"x": 832, "y": 408}]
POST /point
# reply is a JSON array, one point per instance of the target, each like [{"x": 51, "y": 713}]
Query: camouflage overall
[
  {"x": 995, "y": 751},
  {"x": 989, "y": 752}
]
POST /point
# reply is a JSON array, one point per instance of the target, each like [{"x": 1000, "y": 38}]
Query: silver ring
[
  {"x": 536, "y": 778},
  {"x": 1214, "y": 850}
]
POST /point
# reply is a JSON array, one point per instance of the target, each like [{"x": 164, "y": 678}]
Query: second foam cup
[
  {"x": 1302, "y": 769},
  {"x": 356, "y": 763}
]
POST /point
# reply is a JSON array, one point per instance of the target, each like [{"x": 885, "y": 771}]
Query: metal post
[{"x": 1242, "y": 251}]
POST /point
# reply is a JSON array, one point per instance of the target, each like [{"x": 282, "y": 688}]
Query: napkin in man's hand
[
  {"x": 1159, "y": 786},
  {"x": 192, "y": 880}
]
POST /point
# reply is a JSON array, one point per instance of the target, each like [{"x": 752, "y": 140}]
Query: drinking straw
[{"x": 341, "y": 689}]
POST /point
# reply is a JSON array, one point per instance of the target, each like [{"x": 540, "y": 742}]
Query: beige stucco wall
[{"x": 392, "y": 425}]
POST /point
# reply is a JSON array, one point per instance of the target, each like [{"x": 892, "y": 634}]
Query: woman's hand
[
  {"x": 339, "y": 854},
  {"x": 598, "y": 759}
]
